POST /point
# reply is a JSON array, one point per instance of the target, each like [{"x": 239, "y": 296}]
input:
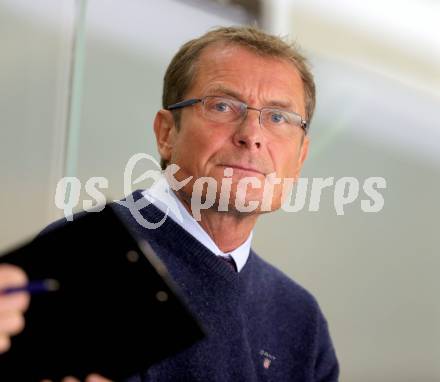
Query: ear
[
  {"x": 165, "y": 131},
  {"x": 304, "y": 150}
]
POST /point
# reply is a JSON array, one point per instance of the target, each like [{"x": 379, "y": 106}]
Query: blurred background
[{"x": 81, "y": 82}]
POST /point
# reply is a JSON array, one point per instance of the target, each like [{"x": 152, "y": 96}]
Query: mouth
[{"x": 243, "y": 168}]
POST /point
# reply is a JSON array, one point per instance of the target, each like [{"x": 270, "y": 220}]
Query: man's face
[{"x": 202, "y": 148}]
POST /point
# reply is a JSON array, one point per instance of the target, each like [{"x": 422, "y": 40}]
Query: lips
[{"x": 245, "y": 168}]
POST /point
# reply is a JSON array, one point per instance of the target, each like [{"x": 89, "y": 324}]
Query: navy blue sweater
[{"x": 261, "y": 325}]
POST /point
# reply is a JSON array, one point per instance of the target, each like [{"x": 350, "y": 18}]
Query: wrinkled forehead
[
  {"x": 217, "y": 51},
  {"x": 241, "y": 70}
]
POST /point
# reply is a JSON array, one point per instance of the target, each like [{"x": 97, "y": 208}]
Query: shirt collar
[{"x": 161, "y": 195}]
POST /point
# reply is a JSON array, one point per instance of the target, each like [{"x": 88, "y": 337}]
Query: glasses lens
[
  {"x": 222, "y": 110},
  {"x": 279, "y": 120}
]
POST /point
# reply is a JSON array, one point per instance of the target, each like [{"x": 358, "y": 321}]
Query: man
[{"x": 236, "y": 106}]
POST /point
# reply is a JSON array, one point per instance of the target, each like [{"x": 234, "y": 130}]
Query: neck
[{"x": 228, "y": 230}]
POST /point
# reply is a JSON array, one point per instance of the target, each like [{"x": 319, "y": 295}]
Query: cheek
[
  {"x": 196, "y": 145},
  {"x": 290, "y": 168},
  {"x": 285, "y": 159}
]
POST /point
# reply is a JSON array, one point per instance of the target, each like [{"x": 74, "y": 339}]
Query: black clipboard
[{"x": 116, "y": 313}]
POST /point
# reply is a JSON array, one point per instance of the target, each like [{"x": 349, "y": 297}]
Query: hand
[{"x": 12, "y": 306}]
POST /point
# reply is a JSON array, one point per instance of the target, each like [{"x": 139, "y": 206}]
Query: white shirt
[{"x": 161, "y": 195}]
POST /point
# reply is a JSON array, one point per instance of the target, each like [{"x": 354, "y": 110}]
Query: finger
[
  {"x": 96, "y": 378},
  {"x": 5, "y": 343},
  {"x": 70, "y": 379},
  {"x": 11, "y": 323},
  {"x": 10, "y": 275},
  {"x": 17, "y": 302}
]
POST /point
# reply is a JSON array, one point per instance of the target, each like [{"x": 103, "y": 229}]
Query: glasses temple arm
[{"x": 182, "y": 104}]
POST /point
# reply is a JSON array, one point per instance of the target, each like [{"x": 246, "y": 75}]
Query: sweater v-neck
[{"x": 185, "y": 246}]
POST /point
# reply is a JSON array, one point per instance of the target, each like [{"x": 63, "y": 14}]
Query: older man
[{"x": 236, "y": 107}]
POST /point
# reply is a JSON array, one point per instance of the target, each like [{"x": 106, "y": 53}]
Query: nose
[{"x": 249, "y": 133}]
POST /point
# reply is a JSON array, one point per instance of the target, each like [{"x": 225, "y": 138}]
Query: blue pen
[{"x": 34, "y": 287}]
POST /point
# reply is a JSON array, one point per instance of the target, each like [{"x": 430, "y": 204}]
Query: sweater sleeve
[{"x": 326, "y": 366}]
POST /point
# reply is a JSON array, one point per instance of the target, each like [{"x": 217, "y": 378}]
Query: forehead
[{"x": 255, "y": 79}]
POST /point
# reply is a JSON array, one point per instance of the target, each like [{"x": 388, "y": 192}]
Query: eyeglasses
[{"x": 227, "y": 110}]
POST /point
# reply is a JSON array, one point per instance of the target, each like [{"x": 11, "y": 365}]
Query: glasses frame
[{"x": 194, "y": 101}]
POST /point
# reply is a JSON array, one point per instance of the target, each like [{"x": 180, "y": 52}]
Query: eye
[
  {"x": 221, "y": 107},
  {"x": 277, "y": 117}
]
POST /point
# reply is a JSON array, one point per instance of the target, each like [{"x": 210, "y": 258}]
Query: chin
[{"x": 253, "y": 202}]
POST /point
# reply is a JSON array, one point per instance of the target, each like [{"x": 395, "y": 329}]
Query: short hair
[{"x": 182, "y": 69}]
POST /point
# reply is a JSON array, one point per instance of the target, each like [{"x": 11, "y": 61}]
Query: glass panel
[{"x": 35, "y": 38}]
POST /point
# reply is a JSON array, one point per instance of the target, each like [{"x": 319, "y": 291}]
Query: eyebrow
[{"x": 221, "y": 90}]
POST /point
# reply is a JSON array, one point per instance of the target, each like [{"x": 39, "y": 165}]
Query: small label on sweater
[{"x": 267, "y": 358}]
